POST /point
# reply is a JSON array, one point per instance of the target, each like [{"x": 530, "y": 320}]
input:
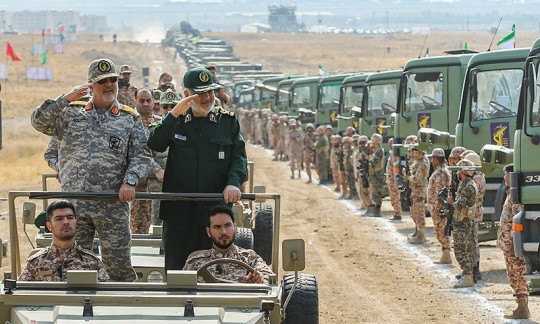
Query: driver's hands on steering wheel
[{"x": 253, "y": 277}]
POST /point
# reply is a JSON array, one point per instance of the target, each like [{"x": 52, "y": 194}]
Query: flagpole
[{"x": 494, "y": 34}]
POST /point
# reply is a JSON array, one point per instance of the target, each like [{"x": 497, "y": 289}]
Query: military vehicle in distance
[
  {"x": 328, "y": 99},
  {"x": 303, "y": 96},
  {"x": 350, "y": 102}
]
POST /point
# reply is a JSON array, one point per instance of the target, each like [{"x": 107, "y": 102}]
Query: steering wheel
[
  {"x": 387, "y": 108},
  {"x": 430, "y": 103},
  {"x": 500, "y": 108},
  {"x": 210, "y": 278}
]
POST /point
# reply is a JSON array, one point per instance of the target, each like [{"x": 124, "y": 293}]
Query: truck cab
[
  {"x": 328, "y": 99},
  {"x": 350, "y": 102},
  {"x": 303, "y": 99}
]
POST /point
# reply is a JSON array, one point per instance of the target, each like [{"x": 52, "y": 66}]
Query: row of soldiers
[{"x": 355, "y": 165}]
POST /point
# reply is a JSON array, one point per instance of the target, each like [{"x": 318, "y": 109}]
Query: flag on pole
[
  {"x": 508, "y": 41},
  {"x": 427, "y": 52},
  {"x": 60, "y": 27},
  {"x": 43, "y": 33},
  {"x": 44, "y": 57},
  {"x": 322, "y": 71},
  {"x": 465, "y": 46},
  {"x": 11, "y": 53}
]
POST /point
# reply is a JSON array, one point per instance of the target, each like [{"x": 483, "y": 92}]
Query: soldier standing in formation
[
  {"x": 418, "y": 182},
  {"x": 440, "y": 179},
  {"x": 296, "y": 145},
  {"x": 515, "y": 266},
  {"x": 363, "y": 174},
  {"x": 126, "y": 92},
  {"x": 464, "y": 212},
  {"x": 334, "y": 162},
  {"x": 376, "y": 174},
  {"x": 329, "y": 132},
  {"x": 310, "y": 139},
  {"x": 102, "y": 147},
  {"x": 348, "y": 166},
  {"x": 395, "y": 195},
  {"x": 322, "y": 159}
]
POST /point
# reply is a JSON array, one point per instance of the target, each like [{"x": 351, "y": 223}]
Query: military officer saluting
[{"x": 206, "y": 155}]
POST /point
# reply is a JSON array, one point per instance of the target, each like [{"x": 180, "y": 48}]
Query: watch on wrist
[{"x": 131, "y": 182}]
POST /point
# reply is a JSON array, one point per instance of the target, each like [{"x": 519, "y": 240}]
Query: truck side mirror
[
  {"x": 29, "y": 213},
  {"x": 293, "y": 255}
]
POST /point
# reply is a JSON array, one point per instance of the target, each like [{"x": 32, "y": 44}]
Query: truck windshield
[
  {"x": 424, "y": 91},
  {"x": 382, "y": 99},
  {"x": 353, "y": 97},
  {"x": 535, "y": 120},
  {"x": 330, "y": 93},
  {"x": 302, "y": 97},
  {"x": 496, "y": 94}
]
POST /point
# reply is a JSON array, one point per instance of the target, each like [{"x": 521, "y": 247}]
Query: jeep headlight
[{"x": 155, "y": 276}]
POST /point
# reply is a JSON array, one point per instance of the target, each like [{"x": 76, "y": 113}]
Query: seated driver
[
  {"x": 53, "y": 262},
  {"x": 221, "y": 229}
]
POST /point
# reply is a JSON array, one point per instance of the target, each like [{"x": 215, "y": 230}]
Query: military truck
[
  {"x": 177, "y": 297},
  {"x": 268, "y": 88},
  {"x": 328, "y": 99},
  {"x": 281, "y": 106},
  {"x": 303, "y": 95},
  {"x": 350, "y": 102}
]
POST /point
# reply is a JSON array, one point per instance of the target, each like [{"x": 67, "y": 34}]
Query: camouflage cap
[
  {"x": 100, "y": 69},
  {"x": 466, "y": 163},
  {"x": 157, "y": 95},
  {"x": 169, "y": 97},
  {"x": 456, "y": 151},
  {"x": 377, "y": 138},
  {"x": 355, "y": 137},
  {"x": 474, "y": 158},
  {"x": 347, "y": 139},
  {"x": 438, "y": 152},
  {"x": 310, "y": 125},
  {"x": 292, "y": 122},
  {"x": 125, "y": 69},
  {"x": 200, "y": 80},
  {"x": 415, "y": 147},
  {"x": 363, "y": 139},
  {"x": 329, "y": 127}
]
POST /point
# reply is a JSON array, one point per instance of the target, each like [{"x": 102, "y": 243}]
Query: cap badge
[
  {"x": 104, "y": 66},
  {"x": 170, "y": 96},
  {"x": 203, "y": 77}
]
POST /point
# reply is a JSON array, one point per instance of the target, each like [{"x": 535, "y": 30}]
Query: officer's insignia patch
[
  {"x": 114, "y": 143},
  {"x": 104, "y": 66},
  {"x": 115, "y": 111},
  {"x": 212, "y": 118},
  {"x": 170, "y": 96},
  {"x": 204, "y": 77},
  {"x": 188, "y": 118}
]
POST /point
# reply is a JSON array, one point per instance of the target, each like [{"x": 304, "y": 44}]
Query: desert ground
[{"x": 366, "y": 270}]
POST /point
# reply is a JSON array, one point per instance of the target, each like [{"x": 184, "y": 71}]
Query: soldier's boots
[
  {"x": 419, "y": 238},
  {"x": 466, "y": 280},
  {"x": 396, "y": 218},
  {"x": 292, "y": 174},
  {"x": 413, "y": 235},
  {"x": 369, "y": 212},
  {"x": 309, "y": 178},
  {"x": 445, "y": 258},
  {"x": 377, "y": 211},
  {"x": 522, "y": 310},
  {"x": 336, "y": 189},
  {"x": 477, "y": 276},
  {"x": 299, "y": 176}
]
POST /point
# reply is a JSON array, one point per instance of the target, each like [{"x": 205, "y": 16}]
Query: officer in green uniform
[{"x": 206, "y": 155}]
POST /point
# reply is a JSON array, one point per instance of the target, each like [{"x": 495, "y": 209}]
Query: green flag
[
  {"x": 62, "y": 37},
  {"x": 44, "y": 57},
  {"x": 465, "y": 46},
  {"x": 508, "y": 41}
]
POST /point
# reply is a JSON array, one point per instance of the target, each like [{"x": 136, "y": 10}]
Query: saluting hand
[
  {"x": 231, "y": 194},
  {"x": 182, "y": 106},
  {"x": 77, "y": 92}
]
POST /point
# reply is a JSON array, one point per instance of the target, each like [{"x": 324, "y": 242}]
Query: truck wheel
[
  {"x": 263, "y": 232},
  {"x": 244, "y": 238},
  {"x": 304, "y": 304}
]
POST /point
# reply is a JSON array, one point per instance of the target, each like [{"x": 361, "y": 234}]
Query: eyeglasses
[
  {"x": 167, "y": 107},
  {"x": 111, "y": 79}
]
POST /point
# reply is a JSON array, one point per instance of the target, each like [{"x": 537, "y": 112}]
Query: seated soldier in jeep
[
  {"x": 221, "y": 229},
  {"x": 53, "y": 262}
]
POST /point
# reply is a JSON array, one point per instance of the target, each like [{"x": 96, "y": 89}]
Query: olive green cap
[{"x": 100, "y": 69}]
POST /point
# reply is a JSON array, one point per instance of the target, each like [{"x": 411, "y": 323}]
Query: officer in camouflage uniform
[
  {"x": 395, "y": 197},
  {"x": 156, "y": 94},
  {"x": 126, "y": 92},
  {"x": 418, "y": 182},
  {"x": 376, "y": 174},
  {"x": 463, "y": 233},
  {"x": 334, "y": 161},
  {"x": 329, "y": 132},
  {"x": 310, "y": 139},
  {"x": 221, "y": 230},
  {"x": 296, "y": 145},
  {"x": 53, "y": 262},
  {"x": 141, "y": 210},
  {"x": 440, "y": 178},
  {"x": 362, "y": 177},
  {"x": 515, "y": 266},
  {"x": 348, "y": 166},
  {"x": 102, "y": 147},
  {"x": 322, "y": 159},
  {"x": 206, "y": 155}
]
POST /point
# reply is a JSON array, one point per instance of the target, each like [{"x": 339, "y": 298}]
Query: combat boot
[
  {"x": 299, "y": 177},
  {"x": 419, "y": 238},
  {"x": 396, "y": 218},
  {"x": 309, "y": 178},
  {"x": 292, "y": 174},
  {"x": 466, "y": 280},
  {"x": 369, "y": 212},
  {"x": 377, "y": 211},
  {"x": 476, "y": 272},
  {"x": 445, "y": 258},
  {"x": 413, "y": 235},
  {"x": 522, "y": 310}
]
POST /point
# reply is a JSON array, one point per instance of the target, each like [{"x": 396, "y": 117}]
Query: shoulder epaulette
[
  {"x": 130, "y": 110},
  {"x": 39, "y": 253},
  {"x": 224, "y": 111},
  {"x": 78, "y": 103}
]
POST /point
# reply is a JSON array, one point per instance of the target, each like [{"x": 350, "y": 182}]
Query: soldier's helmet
[
  {"x": 275, "y": 117},
  {"x": 336, "y": 139},
  {"x": 456, "y": 152},
  {"x": 101, "y": 69},
  {"x": 310, "y": 126},
  {"x": 417, "y": 148},
  {"x": 363, "y": 139},
  {"x": 377, "y": 138},
  {"x": 474, "y": 158},
  {"x": 438, "y": 152},
  {"x": 355, "y": 137},
  {"x": 125, "y": 69},
  {"x": 156, "y": 94},
  {"x": 169, "y": 97},
  {"x": 292, "y": 122},
  {"x": 347, "y": 139},
  {"x": 466, "y": 163}
]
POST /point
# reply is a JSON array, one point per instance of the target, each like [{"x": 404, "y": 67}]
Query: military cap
[
  {"x": 411, "y": 139},
  {"x": 363, "y": 139},
  {"x": 310, "y": 125},
  {"x": 169, "y": 97},
  {"x": 464, "y": 153},
  {"x": 456, "y": 151},
  {"x": 474, "y": 158},
  {"x": 415, "y": 147},
  {"x": 438, "y": 152},
  {"x": 199, "y": 80},
  {"x": 355, "y": 137},
  {"x": 156, "y": 94},
  {"x": 336, "y": 138},
  {"x": 466, "y": 163},
  {"x": 100, "y": 69},
  {"x": 377, "y": 138},
  {"x": 292, "y": 122},
  {"x": 347, "y": 139},
  {"x": 329, "y": 127},
  {"x": 125, "y": 69}
]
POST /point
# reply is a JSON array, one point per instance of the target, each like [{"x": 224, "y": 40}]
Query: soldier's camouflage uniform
[
  {"x": 51, "y": 154},
  {"x": 418, "y": 183},
  {"x": 376, "y": 176},
  {"x": 322, "y": 159},
  {"x": 52, "y": 264},
  {"x": 334, "y": 165},
  {"x": 365, "y": 190},
  {"x": 463, "y": 233},
  {"x": 228, "y": 271},
  {"x": 348, "y": 164},
  {"x": 277, "y": 125},
  {"x": 309, "y": 151},
  {"x": 480, "y": 181},
  {"x": 515, "y": 266},
  {"x": 440, "y": 178},
  {"x": 142, "y": 211},
  {"x": 99, "y": 149},
  {"x": 395, "y": 195},
  {"x": 126, "y": 95},
  {"x": 296, "y": 145}
]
